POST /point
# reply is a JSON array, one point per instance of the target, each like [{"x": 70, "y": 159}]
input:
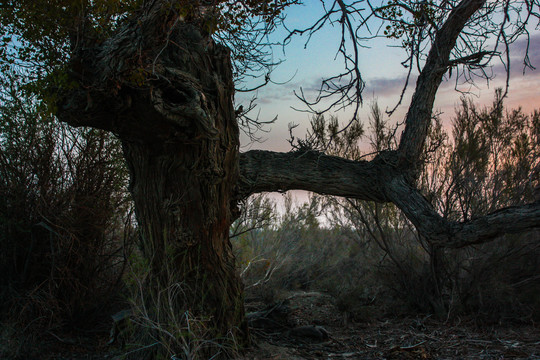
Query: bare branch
[
  {"x": 344, "y": 89},
  {"x": 271, "y": 171}
]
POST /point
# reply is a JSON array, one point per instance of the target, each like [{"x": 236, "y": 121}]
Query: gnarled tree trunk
[
  {"x": 167, "y": 91},
  {"x": 183, "y": 200}
]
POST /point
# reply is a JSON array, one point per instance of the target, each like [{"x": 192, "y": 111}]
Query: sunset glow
[{"x": 384, "y": 75}]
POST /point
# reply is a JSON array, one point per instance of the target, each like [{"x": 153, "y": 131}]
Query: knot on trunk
[{"x": 179, "y": 98}]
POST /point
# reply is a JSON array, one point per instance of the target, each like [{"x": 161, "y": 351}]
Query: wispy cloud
[
  {"x": 523, "y": 90},
  {"x": 383, "y": 87}
]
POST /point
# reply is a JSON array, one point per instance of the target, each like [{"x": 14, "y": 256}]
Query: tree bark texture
[
  {"x": 381, "y": 180},
  {"x": 419, "y": 115},
  {"x": 182, "y": 195},
  {"x": 313, "y": 171},
  {"x": 166, "y": 90}
]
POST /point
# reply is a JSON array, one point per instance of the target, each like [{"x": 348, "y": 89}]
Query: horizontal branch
[
  {"x": 377, "y": 180},
  {"x": 510, "y": 220},
  {"x": 262, "y": 171}
]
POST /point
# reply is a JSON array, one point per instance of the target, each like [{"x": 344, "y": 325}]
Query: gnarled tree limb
[
  {"x": 390, "y": 176},
  {"x": 263, "y": 171},
  {"x": 451, "y": 234},
  {"x": 379, "y": 181},
  {"x": 437, "y": 63}
]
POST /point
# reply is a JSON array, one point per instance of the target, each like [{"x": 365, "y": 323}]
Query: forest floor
[
  {"x": 308, "y": 325},
  {"x": 392, "y": 338}
]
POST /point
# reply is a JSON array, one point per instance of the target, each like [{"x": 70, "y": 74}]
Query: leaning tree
[{"x": 160, "y": 76}]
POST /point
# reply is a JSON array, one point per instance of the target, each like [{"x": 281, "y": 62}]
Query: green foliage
[
  {"x": 235, "y": 14},
  {"x": 38, "y": 35}
]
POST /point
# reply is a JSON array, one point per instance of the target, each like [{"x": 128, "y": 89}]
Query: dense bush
[{"x": 64, "y": 215}]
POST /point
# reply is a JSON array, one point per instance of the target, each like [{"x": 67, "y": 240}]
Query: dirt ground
[
  {"x": 307, "y": 325},
  {"x": 404, "y": 338}
]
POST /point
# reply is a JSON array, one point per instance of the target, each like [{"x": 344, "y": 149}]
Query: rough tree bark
[
  {"x": 166, "y": 90},
  {"x": 381, "y": 180}
]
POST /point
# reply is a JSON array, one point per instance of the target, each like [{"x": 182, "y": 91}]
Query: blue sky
[{"x": 383, "y": 73}]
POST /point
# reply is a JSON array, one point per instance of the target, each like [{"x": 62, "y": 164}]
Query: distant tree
[{"x": 156, "y": 74}]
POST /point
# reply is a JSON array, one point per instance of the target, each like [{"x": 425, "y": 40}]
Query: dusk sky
[{"x": 384, "y": 75}]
